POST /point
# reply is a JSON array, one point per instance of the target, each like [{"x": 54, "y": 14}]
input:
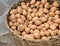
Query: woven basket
[{"x": 21, "y": 41}]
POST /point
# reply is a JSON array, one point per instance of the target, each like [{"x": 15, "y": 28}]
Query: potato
[
  {"x": 13, "y": 11},
  {"x": 46, "y": 10},
  {"x": 36, "y": 31},
  {"x": 29, "y": 17},
  {"x": 37, "y": 3},
  {"x": 16, "y": 24},
  {"x": 21, "y": 27},
  {"x": 47, "y": 5},
  {"x": 27, "y": 30},
  {"x": 57, "y": 20},
  {"x": 44, "y": 38},
  {"x": 24, "y": 12},
  {"x": 18, "y": 15},
  {"x": 10, "y": 23},
  {"x": 33, "y": 26},
  {"x": 57, "y": 12},
  {"x": 53, "y": 9},
  {"x": 43, "y": 19},
  {"x": 32, "y": 2},
  {"x": 13, "y": 27},
  {"x": 23, "y": 17},
  {"x": 46, "y": 25},
  {"x": 37, "y": 22},
  {"x": 30, "y": 9},
  {"x": 52, "y": 27},
  {"x": 24, "y": 7},
  {"x": 43, "y": 1},
  {"x": 35, "y": 19},
  {"x": 47, "y": 33},
  {"x": 51, "y": 13},
  {"x": 19, "y": 20},
  {"x": 19, "y": 9},
  {"x": 12, "y": 17},
  {"x": 42, "y": 33},
  {"x": 31, "y": 31},
  {"x": 36, "y": 35},
  {"x": 55, "y": 4}
]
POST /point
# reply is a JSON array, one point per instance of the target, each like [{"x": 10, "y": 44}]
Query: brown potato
[
  {"x": 33, "y": 15},
  {"x": 12, "y": 17},
  {"x": 24, "y": 7},
  {"x": 31, "y": 31},
  {"x": 42, "y": 33},
  {"x": 33, "y": 26},
  {"x": 46, "y": 10},
  {"x": 27, "y": 30},
  {"x": 44, "y": 38},
  {"x": 22, "y": 3},
  {"x": 10, "y": 23},
  {"x": 23, "y": 17},
  {"x": 13, "y": 27},
  {"x": 18, "y": 15},
  {"x": 34, "y": 10},
  {"x": 38, "y": 27},
  {"x": 43, "y": 1},
  {"x": 57, "y": 20},
  {"x": 41, "y": 6},
  {"x": 52, "y": 27},
  {"x": 32, "y": 2},
  {"x": 21, "y": 27},
  {"x": 53, "y": 9},
  {"x": 35, "y": 19},
  {"x": 36, "y": 35},
  {"x": 46, "y": 25},
  {"x": 47, "y": 5},
  {"x": 51, "y": 13},
  {"x": 19, "y": 20},
  {"x": 57, "y": 12},
  {"x": 47, "y": 33},
  {"x": 24, "y": 12},
  {"x": 43, "y": 19},
  {"x": 30, "y": 9},
  {"x": 16, "y": 24},
  {"x": 19, "y": 9},
  {"x": 43, "y": 29},
  {"x": 37, "y": 3},
  {"x": 37, "y": 22},
  {"x": 56, "y": 16},
  {"x": 36, "y": 31},
  {"x": 55, "y": 4},
  {"x": 29, "y": 17},
  {"x": 27, "y": 4},
  {"x": 13, "y": 11}
]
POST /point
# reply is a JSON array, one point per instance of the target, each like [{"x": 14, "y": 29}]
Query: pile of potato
[{"x": 36, "y": 19}]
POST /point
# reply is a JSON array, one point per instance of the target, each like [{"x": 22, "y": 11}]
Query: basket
[{"x": 21, "y": 41}]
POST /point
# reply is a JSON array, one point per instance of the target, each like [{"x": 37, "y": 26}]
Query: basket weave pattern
[{"x": 23, "y": 42}]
